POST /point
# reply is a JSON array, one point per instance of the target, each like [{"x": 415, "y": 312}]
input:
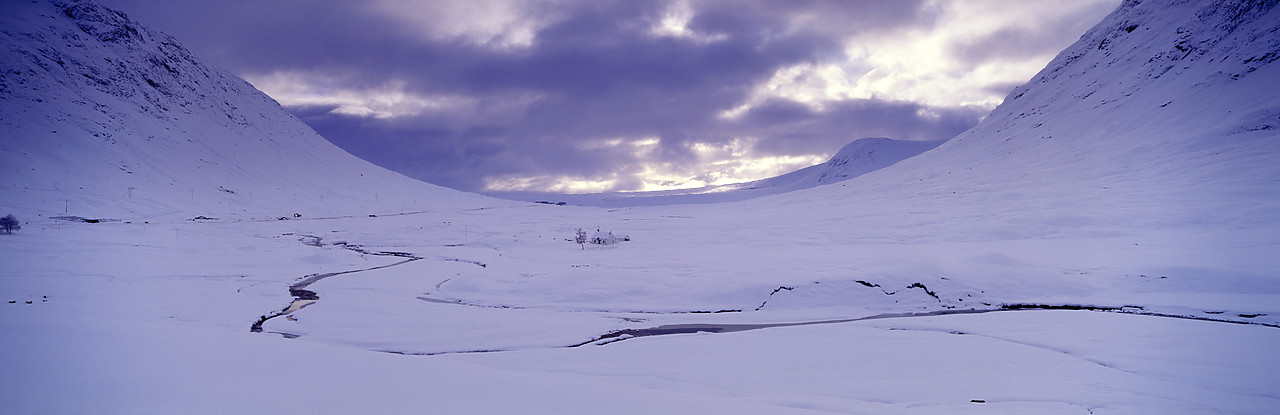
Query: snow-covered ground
[
  {"x": 129, "y": 318},
  {"x": 1136, "y": 176}
]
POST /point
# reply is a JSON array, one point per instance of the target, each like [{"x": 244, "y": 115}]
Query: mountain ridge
[
  {"x": 110, "y": 118},
  {"x": 1165, "y": 108}
]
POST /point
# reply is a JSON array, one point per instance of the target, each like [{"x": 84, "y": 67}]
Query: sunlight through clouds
[
  {"x": 937, "y": 65},
  {"x": 929, "y": 64},
  {"x": 716, "y": 164},
  {"x": 499, "y": 24},
  {"x": 722, "y": 169},
  {"x": 555, "y": 184},
  {"x": 675, "y": 22},
  {"x": 386, "y": 101}
]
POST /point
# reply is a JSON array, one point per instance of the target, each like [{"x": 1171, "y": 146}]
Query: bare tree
[
  {"x": 8, "y": 224},
  {"x": 581, "y": 238}
]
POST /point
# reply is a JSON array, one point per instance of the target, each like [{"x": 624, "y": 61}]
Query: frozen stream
[
  {"x": 303, "y": 297},
  {"x": 728, "y": 328}
]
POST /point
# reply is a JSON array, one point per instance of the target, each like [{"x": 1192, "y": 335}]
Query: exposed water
[
  {"x": 728, "y": 328},
  {"x": 303, "y": 297}
]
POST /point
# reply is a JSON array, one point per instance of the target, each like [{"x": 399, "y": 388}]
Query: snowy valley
[{"x": 1105, "y": 242}]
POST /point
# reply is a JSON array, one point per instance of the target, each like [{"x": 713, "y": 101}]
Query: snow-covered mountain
[
  {"x": 859, "y": 157},
  {"x": 1147, "y": 154},
  {"x": 1164, "y": 114},
  {"x": 103, "y": 117}
]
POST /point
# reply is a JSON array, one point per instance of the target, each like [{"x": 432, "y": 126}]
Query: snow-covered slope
[
  {"x": 1145, "y": 155},
  {"x": 103, "y": 117},
  {"x": 859, "y": 157},
  {"x": 1164, "y": 114}
]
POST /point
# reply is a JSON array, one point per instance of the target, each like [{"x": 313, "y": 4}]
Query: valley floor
[{"x": 474, "y": 311}]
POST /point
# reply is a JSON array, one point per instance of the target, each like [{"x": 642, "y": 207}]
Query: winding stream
[
  {"x": 625, "y": 334},
  {"x": 303, "y": 297}
]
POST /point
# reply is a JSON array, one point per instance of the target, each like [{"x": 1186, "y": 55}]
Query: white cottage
[{"x": 604, "y": 238}]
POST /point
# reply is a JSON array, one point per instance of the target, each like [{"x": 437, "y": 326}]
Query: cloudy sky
[{"x": 602, "y": 95}]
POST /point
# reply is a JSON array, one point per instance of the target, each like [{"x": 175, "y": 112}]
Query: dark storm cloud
[
  {"x": 594, "y": 70},
  {"x": 595, "y": 47}
]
